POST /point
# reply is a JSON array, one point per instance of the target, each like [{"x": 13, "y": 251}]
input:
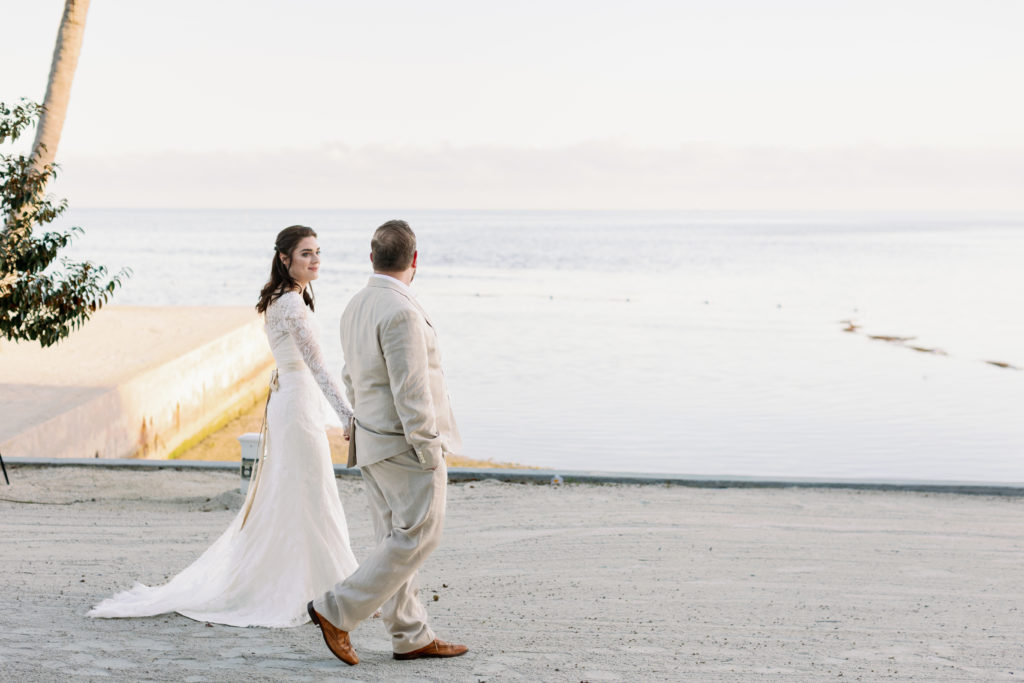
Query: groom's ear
[{"x": 414, "y": 255}]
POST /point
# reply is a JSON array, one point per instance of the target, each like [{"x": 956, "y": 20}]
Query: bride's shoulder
[{"x": 287, "y": 302}]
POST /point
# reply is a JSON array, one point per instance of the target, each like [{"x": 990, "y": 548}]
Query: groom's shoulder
[
  {"x": 382, "y": 301},
  {"x": 396, "y": 304}
]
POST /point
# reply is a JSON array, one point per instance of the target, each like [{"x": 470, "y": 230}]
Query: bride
[{"x": 290, "y": 540}]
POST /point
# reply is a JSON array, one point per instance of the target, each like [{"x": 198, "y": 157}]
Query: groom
[{"x": 402, "y": 429}]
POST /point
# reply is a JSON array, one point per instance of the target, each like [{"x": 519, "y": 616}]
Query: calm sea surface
[{"x": 706, "y": 343}]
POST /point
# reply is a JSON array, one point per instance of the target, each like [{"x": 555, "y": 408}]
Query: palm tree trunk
[
  {"x": 58, "y": 89},
  {"x": 58, "y": 92}
]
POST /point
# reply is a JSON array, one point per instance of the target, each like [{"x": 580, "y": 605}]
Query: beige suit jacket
[{"x": 394, "y": 379}]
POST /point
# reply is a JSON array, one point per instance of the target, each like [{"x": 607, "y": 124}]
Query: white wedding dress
[{"x": 289, "y": 543}]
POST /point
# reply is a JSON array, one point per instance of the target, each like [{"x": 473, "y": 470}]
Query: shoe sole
[
  {"x": 312, "y": 614},
  {"x": 408, "y": 655}
]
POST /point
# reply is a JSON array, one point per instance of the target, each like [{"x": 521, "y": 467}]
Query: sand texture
[{"x": 545, "y": 583}]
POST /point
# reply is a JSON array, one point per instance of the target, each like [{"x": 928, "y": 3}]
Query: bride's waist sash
[
  {"x": 286, "y": 370},
  {"x": 290, "y": 366}
]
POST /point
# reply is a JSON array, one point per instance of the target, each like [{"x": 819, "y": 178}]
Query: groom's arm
[
  {"x": 346, "y": 379},
  {"x": 404, "y": 344}
]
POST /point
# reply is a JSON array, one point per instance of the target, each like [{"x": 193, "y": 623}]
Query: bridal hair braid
[{"x": 281, "y": 280}]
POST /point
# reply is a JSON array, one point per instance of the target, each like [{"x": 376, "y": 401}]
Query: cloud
[{"x": 593, "y": 175}]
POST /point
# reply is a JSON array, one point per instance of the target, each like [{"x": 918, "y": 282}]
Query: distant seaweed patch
[
  {"x": 853, "y": 327},
  {"x": 925, "y": 349},
  {"x": 1001, "y": 364},
  {"x": 890, "y": 338}
]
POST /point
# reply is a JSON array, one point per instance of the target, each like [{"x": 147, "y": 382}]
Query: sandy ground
[{"x": 545, "y": 583}]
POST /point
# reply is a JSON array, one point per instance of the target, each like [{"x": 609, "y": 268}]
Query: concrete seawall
[{"x": 133, "y": 382}]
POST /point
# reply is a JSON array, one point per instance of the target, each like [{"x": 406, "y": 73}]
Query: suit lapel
[{"x": 420, "y": 309}]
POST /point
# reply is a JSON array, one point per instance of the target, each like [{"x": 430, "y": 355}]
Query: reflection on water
[{"x": 843, "y": 346}]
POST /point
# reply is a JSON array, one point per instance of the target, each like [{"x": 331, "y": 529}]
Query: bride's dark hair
[{"x": 280, "y": 280}]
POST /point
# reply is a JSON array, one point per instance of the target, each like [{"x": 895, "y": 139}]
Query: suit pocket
[{"x": 376, "y": 446}]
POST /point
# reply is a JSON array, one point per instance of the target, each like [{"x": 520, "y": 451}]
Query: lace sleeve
[{"x": 296, "y": 319}]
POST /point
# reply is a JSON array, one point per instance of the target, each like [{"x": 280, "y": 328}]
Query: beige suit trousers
[{"x": 408, "y": 507}]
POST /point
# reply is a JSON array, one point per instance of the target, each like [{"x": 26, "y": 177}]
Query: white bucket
[{"x": 250, "y": 443}]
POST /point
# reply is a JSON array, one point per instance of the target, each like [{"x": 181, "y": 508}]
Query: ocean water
[{"x": 703, "y": 343}]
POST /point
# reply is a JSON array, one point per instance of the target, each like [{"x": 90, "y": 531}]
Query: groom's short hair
[{"x": 393, "y": 246}]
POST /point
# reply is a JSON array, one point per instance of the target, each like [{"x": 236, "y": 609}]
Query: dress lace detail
[
  {"x": 289, "y": 542},
  {"x": 289, "y": 315}
]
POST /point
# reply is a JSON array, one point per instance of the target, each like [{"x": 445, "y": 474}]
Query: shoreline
[
  {"x": 220, "y": 442},
  {"x": 180, "y": 383}
]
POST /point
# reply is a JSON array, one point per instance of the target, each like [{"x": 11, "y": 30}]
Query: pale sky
[{"x": 744, "y": 104}]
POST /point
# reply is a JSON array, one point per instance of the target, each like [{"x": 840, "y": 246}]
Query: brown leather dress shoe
[
  {"x": 438, "y": 648},
  {"x": 336, "y": 639}
]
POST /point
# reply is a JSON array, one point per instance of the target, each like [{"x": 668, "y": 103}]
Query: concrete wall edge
[{"x": 465, "y": 474}]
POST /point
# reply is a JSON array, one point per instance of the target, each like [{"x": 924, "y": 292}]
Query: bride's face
[{"x": 304, "y": 264}]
